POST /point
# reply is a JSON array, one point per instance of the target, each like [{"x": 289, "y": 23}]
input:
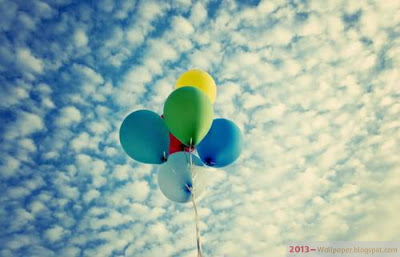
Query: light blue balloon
[
  {"x": 174, "y": 177},
  {"x": 222, "y": 145},
  {"x": 145, "y": 137}
]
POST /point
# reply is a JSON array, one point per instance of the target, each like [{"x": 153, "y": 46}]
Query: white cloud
[
  {"x": 68, "y": 116},
  {"x": 88, "y": 74},
  {"x": 145, "y": 213},
  {"x": 37, "y": 206},
  {"x": 159, "y": 231},
  {"x": 43, "y": 10},
  {"x": 132, "y": 191},
  {"x": 9, "y": 166},
  {"x": 135, "y": 36},
  {"x": 113, "y": 219},
  {"x": 311, "y": 27},
  {"x": 68, "y": 191},
  {"x": 71, "y": 251},
  {"x": 147, "y": 12},
  {"x": 110, "y": 151},
  {"x": 140, "y": 190},
  {"x": 91, "y": 195},
  {"x": 99, "y": 127},
  {"x": 26, "y": 21},
  {"x": 14, "y": 96},
  {"x": 26, "y": 124},
  {"x": 17, "y": 192},
  {"x": 205, "y": 57},
  {"x": 251, "y": 101},
  {"x": 84, "y": 141},
  {"x": 80, "y": 38},
  {"x": 19, "y": 242},
  {"x": 168, "y": 53},
  {"x": 54, "y": 234},
  {"x": 106, "y": 5},
  {"x": 127, "y": 94},
  {"x": 313, "y": 87},
  {"x": 20, "y": 220},
  {"x": 181, "y": 26},
  {"x": 198, "y": 14},
  {"x": 121, "y": 172},
  {"x": 28, "y": 145},
  {"x": 28, "y": 62},
  {"x": 124, "y": 10},
  {"x": 279, "y": 35}
]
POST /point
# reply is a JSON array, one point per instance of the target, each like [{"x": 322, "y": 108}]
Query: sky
[{"x": 313, "y": 85}]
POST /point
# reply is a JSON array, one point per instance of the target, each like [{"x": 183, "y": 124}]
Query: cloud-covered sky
[{"x": 314, "y": 86}]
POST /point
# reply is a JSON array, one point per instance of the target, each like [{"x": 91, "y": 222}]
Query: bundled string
[
  {"x": 188, "y": 119},
  {"x": 196, "y": 216}
]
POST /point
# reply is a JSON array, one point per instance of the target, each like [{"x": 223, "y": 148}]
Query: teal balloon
[
  {"x": 174, "y": 177},
  {"x": 145, "y": 137},
  {"x": 222, "y": 145}
]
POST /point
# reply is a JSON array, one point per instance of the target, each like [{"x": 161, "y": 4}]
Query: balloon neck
[
  {"x": 187, "y": 148},
  {"x": 209, "y": 162},
  {"x": 188, "y": 188}
]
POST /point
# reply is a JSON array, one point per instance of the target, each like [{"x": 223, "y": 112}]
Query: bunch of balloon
[{"x": 171, "y": 139}]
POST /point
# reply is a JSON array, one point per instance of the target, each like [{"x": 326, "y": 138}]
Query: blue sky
[{"x": 314, "y": 86}]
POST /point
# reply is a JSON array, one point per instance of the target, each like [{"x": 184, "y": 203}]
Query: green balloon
[
  {"x": 144, "y": 137},
  {"x": 188, "y": 113}
]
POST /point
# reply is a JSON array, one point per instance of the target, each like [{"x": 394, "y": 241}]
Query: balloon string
[{"x": 196, "y": 215}]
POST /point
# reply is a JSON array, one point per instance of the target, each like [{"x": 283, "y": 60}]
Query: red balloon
[{"x": 175, "y": 145}]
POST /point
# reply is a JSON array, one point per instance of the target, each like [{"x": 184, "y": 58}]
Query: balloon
[
  {"x": 175, "y": 145},
  {"x": 222, "y": 144},
  {"x": 144, "y": 137},
  {"x": 174, "y": 177},
  {"x": 188, "y": 114},
  {"x": 199, "y": 79}
]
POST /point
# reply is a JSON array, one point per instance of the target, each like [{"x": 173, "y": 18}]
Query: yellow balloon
[{"x": 199, "y": 79}]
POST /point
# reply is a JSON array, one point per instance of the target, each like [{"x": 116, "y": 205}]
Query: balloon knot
[
  {"x": 187, "y": 148},
  {"x": 188, "y": 188},
  {"x": 209, "y": 162}
]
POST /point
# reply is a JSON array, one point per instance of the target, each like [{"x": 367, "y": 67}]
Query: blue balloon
[
  {"x": 222, "y": 145},
  {"x": 145, "y": 137},
  {"x": 175, "y": 179}
]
